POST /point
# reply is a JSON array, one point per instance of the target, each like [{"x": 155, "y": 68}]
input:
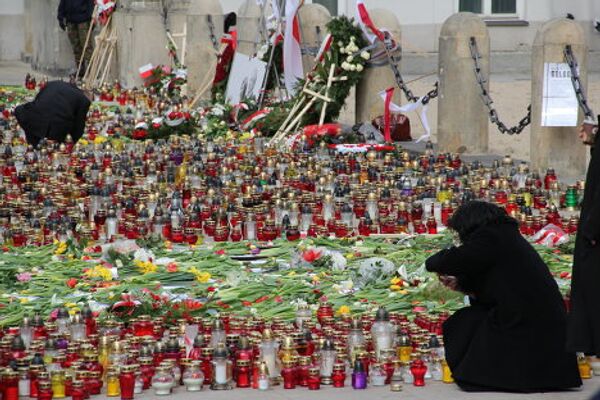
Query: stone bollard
[
  {"x": 556, "y": 147},
  {"x": 141, "y": 38},
  {"x": 368, "y": 102},
  {"x": 250, "y": 32},
  {"x": 313, "y": 24},
  {"x": 50, "y": 48},
  {"x": 201, "y": 57},
  {"x": 462, "y": 116}
]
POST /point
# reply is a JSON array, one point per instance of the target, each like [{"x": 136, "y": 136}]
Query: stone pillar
[
  {"x": 462, "y": 117},
  {"x": 141, "y": 38},
  {"x": 248, "y": 25},
  {"x": 369, "y": 104},
  {"x": 51, "y": 50},
  {"x": 177, "y": 11},
  {"x": 201, "y": 57},
  {"x": 556, "y": 147},
  {"x": 312, "y": 17}
]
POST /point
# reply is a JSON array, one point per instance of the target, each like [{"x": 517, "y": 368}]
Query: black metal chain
[
  {"x": 211, "y": 28},
  {"x": 392, "y": 50},
  {"x": 579, "y": 89},
  {"x": 487, "y": 100}
]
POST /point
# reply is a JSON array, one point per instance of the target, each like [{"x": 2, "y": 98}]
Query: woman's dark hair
[
  {"x": 476, "y": 214},
  {"x": 230, "y": 20}
]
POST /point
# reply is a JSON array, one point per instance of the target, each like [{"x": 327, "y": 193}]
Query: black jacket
[
  {"x": 513, "y": 336},
  {"x": 75, "y": 11},
  {"x": 58, "y": 109},
  {"x": 584, "y": 320}
]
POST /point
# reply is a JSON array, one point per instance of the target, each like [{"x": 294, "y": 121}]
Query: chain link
[
  {"x": 211, "y": 28},
  {"x": 391, "y": 50},
  {"x": 487, "y": 99},
  {"x": 577, "y": 86}
]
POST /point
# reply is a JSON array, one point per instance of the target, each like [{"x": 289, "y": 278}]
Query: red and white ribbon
[
  {"x": 366, "y": 23},
  {"x": 417, "y": 106},
  {"x": 254, "y": 118},
  {"x": 359, "y": 148},
  {"x": 325, "y": 47}
]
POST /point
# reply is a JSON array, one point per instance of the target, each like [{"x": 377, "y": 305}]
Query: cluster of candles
[
  {"x": 77, "y": 356},
  {"x": 188, "y": 189}
]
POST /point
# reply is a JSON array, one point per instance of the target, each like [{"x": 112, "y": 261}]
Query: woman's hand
[{"x": 451, "y": 282}]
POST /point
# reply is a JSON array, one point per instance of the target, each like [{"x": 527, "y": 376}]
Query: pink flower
[
  {"x": 220, "y": 252},
  {"x": 24, "y": 277}
]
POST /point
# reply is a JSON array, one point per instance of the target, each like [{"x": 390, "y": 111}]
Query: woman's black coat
[
  {"x": 513, "y": 336},
  {"x": 584, "y": 321}
]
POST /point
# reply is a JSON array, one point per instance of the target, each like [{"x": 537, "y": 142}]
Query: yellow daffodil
[
  {"x": 201, "y": 277},
  {"x": 343, "y": 310},
  {"x": 99, "y": 272},
  {"x": 146, "y": 267},
  {"x": 99, "y": 140},
  {"x": 74, "y": 310},
  {"x": 61, "y": 248},
  {"x": 396, "y": 281},
  {"x": 70, "y": 305},
  {"x": 83, "y": 142}
]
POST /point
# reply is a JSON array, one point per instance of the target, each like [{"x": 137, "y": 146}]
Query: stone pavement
[{"x": 432, "y": 391}]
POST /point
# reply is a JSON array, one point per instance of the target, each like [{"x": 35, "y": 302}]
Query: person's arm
[
  {"x": 590, "y": 227},
  {"x": 80, "y": 118},
  {"x": 61, "y": 15},
  {"x": 472, "y": 257},
  {"x": 91, "y": 8}
]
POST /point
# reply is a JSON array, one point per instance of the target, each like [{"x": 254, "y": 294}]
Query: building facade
[{"x": 512, "y": 25}]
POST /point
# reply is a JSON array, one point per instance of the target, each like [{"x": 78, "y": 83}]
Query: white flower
[
  {"x": 342, "y": 50},
  {"x": 365, "y": 55},
  {"x": 349, "y": 59},
  {"x": 353, "y": 39},
  {"x": 345, "y": 66},
  {"x": 338, "y": 261},
  {"x": 360, "y": 68},
  {"x": 340, "y": 44},
  {"x": 352, "y": 67}
]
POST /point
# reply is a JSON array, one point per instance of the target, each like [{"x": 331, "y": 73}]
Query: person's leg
[
  {"x": 73, "y": 31},
  {"x": 87, "y": 52},
  {"x": 459, "y": 330}
]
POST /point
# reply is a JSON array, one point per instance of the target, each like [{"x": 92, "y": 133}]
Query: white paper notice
[{"x": 559, "y": 106}]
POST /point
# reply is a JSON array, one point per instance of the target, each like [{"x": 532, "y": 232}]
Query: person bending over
[
  {"x": 513, "y": 335},
  {"x": 59, "y": 109}
]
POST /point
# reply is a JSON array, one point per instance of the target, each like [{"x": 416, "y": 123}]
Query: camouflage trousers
[{"x": 77, "y": 35}]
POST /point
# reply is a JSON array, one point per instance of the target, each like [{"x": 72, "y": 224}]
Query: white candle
[
  {"x": 193, "y": 384},
  {"x": 24, "y": 388},
  {"x": 162, "y": 388},
  {"x": 221, "y": 374}
]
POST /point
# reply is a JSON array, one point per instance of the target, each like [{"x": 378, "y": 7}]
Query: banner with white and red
[{"x": 292, "y": 52}]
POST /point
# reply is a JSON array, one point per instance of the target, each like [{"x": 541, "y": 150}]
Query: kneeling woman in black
[{"x": 512, "y": 336}]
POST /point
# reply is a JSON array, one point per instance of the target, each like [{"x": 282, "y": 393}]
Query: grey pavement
[{"x": 432, "y": 391}]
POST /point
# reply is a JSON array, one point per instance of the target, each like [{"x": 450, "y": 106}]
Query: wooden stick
[
  {"x": 206, "y": 84},
  {"x": 108, "y": 62},
  {"x": 282, "y": 128},
  {"x": 97, "y": 49},
  {"x": 87, "y": 41},
  {"x": 318, "y": 95},
  {"x": 326, "y": 104},
  {"x": 184, "y": 44}
]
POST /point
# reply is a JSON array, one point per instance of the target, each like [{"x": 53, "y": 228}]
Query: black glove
[{"x": 62, "y": 24}]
